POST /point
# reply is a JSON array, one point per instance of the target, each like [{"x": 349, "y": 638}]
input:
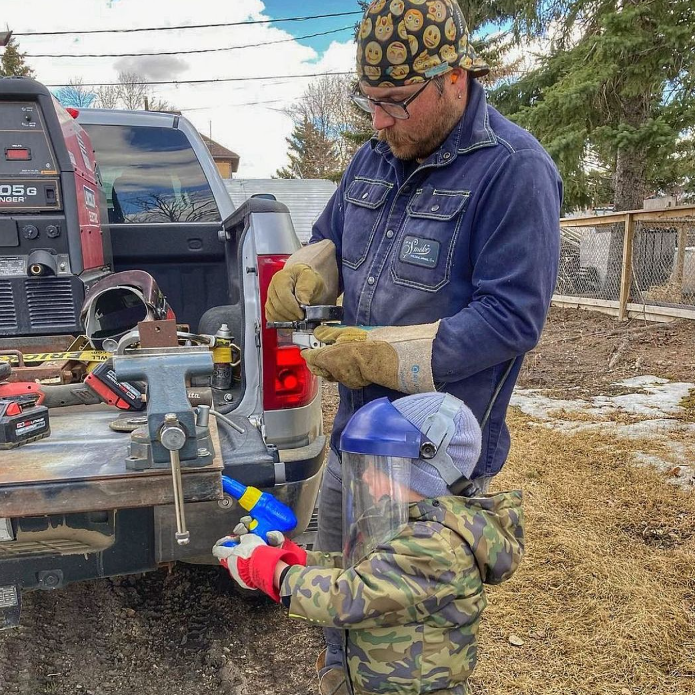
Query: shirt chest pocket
[
  {"x": 424, "y": 251},
  {"x": 364, "y": 207}
]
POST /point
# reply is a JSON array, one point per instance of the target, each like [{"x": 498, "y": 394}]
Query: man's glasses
[{"x": 395, "y": 109}]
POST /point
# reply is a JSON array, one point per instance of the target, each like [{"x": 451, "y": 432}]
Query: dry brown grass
[
  {"x": 688, "y": 405},
  {"x": 605, "y": 599}
]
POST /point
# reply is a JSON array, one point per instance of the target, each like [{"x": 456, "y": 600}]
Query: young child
[{"x": 408, "y": 586}]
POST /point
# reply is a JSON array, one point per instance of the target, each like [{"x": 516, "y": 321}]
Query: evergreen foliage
[
  {"x": 12, "y": 63},
  {"x": 312, "y": 155},
  {"x": 613, "y": 100}
]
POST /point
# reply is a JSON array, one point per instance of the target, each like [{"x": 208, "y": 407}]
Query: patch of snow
[{"x": 658, "y": 400}]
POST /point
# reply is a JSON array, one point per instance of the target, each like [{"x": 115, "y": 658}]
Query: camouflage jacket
[{"x": 411, "y": 608}]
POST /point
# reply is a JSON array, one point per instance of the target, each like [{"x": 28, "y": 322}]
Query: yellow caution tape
[{"x": 76, "y": 355}]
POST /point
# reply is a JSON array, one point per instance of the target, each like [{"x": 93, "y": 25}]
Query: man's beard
[{"x": 420, "y": 147}]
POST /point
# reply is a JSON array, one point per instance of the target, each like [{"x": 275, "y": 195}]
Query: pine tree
[
  {"x": 311, "y": 154},
  {"x": 617, "y": 89},
  {"x": 12, "y": 62}
]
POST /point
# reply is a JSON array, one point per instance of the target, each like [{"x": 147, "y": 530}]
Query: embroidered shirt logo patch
[{"x": 419, "y": 251}]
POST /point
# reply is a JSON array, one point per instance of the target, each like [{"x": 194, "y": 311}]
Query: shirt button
[
  {"x": 389, "y": 234},
  {"x": 446, "y": 155},
  {"x": 371, "y": 280},
  {"x": 366, "y": 195},
  {"x": 435, "y": 208}
]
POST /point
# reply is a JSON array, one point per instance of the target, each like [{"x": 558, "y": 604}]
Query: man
[{"x": 444, "y": 231}]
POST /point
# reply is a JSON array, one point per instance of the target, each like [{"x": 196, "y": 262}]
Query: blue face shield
[{"x": 379, "y": 446}]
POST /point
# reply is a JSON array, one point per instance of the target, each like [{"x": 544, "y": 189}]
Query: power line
[
  {"x": 219, "y": 79},
  {"x": 173, "y": 53},
  {"x": 186, "y": 26},
  {"x": 228, "y": 106}
]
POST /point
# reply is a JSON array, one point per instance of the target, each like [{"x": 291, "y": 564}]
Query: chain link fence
[
  {"x": 663, "y": 263},
  {"x": 661, "y": 258},
  {"x": 591, "y": 261}
]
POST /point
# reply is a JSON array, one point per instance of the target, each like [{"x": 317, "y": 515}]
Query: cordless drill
[{"x": 268, "y": 513}]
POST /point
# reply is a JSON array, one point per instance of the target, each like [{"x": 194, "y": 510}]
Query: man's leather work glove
[
  {"x": 310, "y": 277},
  {"x": 397, "y": 357},
  {"x": 291, "y": 287}
]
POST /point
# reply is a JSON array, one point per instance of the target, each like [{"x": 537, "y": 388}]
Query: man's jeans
[{"x": 330, "y": 539}]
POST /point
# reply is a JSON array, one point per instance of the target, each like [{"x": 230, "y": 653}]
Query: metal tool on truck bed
[
  {"x": 314, "y": 316},
  {"x": 174, "y": 436}
]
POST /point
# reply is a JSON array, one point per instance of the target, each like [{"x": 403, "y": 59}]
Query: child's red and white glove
[
  {"x": 274, "y": 538},
  {"x": 251, "y": 562}
]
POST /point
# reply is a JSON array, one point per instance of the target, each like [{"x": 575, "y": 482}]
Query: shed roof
[{"x": 305, "y": 198}]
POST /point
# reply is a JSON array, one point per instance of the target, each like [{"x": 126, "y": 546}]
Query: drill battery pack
[
  {"x": 123, "y": 395},
  {"x": 22, "y": 421}
]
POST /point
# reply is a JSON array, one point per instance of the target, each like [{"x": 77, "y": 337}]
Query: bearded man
[{"x": 443, "y": 234}]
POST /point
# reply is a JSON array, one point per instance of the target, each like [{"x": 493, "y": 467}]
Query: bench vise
[{"x": 174, "y": 437}]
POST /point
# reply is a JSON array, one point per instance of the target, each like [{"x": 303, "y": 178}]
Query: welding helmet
[
  {"x": 402, "y": 42},
  {"x": 418, "y": 447},
  {"x": 117, "y": 303}
]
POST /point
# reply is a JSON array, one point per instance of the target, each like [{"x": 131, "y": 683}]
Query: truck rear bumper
[
  {"x": 49, "y": 552},
  {"x": 81, "y": 467}
]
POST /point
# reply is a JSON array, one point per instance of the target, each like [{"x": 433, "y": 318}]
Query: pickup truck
[{"x": 167, "y": 213}]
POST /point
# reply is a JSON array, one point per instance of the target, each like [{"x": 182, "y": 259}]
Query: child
[{"x": 419, "y": 543}]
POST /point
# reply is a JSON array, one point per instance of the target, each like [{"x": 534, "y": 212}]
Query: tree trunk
[{"x": 630, "y": 178}]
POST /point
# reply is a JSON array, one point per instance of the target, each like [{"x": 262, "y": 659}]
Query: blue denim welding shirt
[{"x": 471, "y": 237}]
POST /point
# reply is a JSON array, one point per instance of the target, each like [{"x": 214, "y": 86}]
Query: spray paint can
[{"x": 222, "y": 359}]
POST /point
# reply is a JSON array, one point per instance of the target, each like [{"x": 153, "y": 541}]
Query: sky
[{"x": 229, "y": 112}]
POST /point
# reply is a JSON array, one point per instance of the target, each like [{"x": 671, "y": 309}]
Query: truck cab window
[{"x": 151, "y": 175}]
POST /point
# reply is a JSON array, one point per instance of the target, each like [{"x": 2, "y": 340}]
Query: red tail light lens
[{"x": 287, "y": 382}]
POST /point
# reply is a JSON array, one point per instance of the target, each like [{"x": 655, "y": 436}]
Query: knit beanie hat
[{"x": 464, "y": 447}]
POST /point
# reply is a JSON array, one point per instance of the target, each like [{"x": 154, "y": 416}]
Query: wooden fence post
[{"x": 626, "y": 277}]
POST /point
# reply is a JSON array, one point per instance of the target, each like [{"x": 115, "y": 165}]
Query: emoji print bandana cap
[{"x": 403, "y": 42}]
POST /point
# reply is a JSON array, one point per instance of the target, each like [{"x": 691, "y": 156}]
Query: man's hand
[
  {"x": 355, "y": 365},
  {"x": 397, "y": 357},
  {"x": 291, "y": 287},
  {"x": 331, "y": 334}
]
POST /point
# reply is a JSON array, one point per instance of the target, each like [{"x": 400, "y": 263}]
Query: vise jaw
[{"x": 166, "y": 370}]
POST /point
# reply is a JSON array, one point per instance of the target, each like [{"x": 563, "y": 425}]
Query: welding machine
[{"x": 52, "y": 244}]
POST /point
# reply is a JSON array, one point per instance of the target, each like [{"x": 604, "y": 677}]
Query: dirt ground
[
  {"x": 583, "y": 353},
  {"x": 604, "y": 602}
]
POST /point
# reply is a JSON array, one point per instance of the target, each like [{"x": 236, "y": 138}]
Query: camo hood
[{"x": 492, "y": 527}]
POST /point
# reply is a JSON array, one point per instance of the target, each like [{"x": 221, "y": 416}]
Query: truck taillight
[{"x": 287, "y": 382}]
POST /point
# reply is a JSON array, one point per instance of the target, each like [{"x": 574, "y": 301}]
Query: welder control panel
[{"x": 28, "y": 171}]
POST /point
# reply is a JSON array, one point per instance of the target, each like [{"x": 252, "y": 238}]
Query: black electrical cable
[
  {"x": 210, "y": 81},
  {"x": 175, "y": 53},
  {"x": 186, "y": 26}
]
